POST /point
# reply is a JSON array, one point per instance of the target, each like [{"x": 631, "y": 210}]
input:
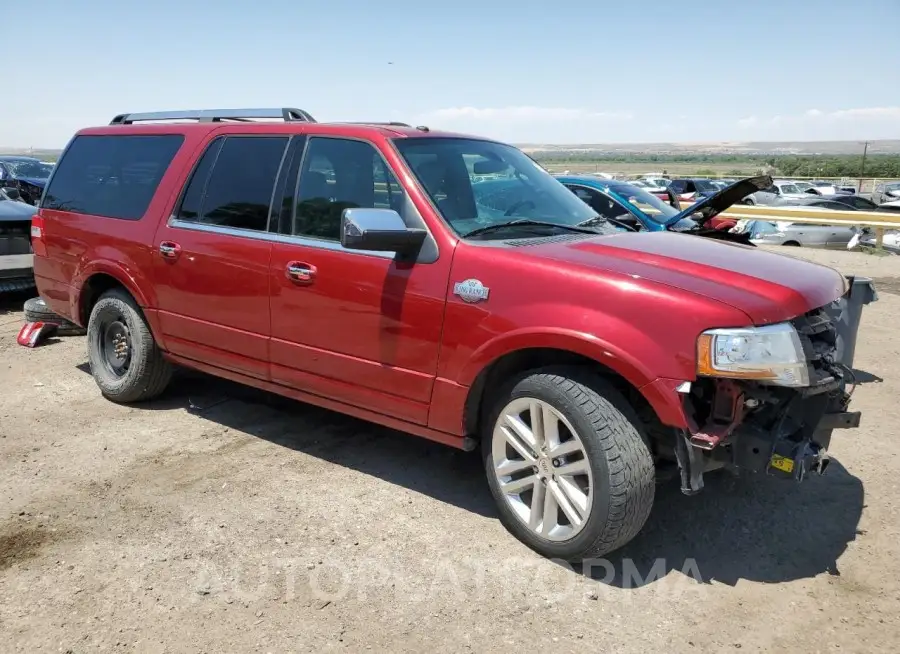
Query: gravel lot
[{"x": 223, "y": 519}]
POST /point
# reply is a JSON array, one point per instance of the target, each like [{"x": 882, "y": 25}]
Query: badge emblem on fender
[{"x": 471, "y": 290}]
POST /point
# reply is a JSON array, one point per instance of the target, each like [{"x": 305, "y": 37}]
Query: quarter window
[
  {"x": 115, "y": 176},
  {"x": 340, "y": 174}
]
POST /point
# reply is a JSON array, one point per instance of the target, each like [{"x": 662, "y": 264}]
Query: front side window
[
  {"x": 233, "y": 182},
  {"x": 114, "y": 176},
  {"x": 340, "y": 174},
  {"x": 477, "y": 184}
]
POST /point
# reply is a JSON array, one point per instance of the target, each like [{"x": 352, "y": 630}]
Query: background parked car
[
  {"x": 16, "y": 271},
  {"x": 763, "y": 232},
  {"x": 841, "y": 202},
  {"x": 691, "y": 189},
  {"x": 27, "y": 175},
  {"x": 781, "y": 192},
  {"x": 886, "y": 192}
]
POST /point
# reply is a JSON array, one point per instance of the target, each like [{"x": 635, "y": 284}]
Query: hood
[
  {"x": 35, "y": 181},
  {"x": 12, "y": 210},
  {"x": 719, "y": 202},
  {"x": 766, "y": 286}
]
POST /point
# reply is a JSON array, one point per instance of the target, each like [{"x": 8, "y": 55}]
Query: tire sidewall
[
  {"x": 109, "y": 308},
  {"x": 534, "y": 385}
]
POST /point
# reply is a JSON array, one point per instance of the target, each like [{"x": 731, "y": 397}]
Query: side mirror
[{"x": 380, "y": 230}]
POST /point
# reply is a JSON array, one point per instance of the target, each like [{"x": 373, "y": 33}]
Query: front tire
[
  {"x": 125, "y": 361},
  {"x": 568, "y": 464}
]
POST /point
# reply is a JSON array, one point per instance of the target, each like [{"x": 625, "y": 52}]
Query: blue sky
[{"x": 516, "y": 70}]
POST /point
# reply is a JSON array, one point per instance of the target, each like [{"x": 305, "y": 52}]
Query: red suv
[{"x": 364, "y": 268}]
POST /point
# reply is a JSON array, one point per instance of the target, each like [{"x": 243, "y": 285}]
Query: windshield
[
  {"x": 645, "y": 202},
  {"x": 476, "y": 184},
  {"x": 804, "y": 186},
  {"x": 29, "y": 168},
  {"x": 705, "y": 185},
  {"x": 789, "y": 188}
]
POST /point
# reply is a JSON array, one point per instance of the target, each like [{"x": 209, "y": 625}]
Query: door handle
[
  {"x": 301, "y": 273},
  {"x": 169, "y": 250}
]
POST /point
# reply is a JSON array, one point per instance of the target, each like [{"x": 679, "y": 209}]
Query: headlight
[{"x": 771, "y": 354}]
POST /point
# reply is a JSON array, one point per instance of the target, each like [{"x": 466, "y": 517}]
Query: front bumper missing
[{"x": 780, "y": 432}]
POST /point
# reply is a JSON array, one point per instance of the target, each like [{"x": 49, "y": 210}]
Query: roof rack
[
  {"x": 392, "y": 123},
  {"x": 288, "y": 114}
]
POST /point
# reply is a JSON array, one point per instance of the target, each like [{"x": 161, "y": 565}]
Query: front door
[
  {"x": 212, "y": 257},
  {"x": 356, "y": 327}
]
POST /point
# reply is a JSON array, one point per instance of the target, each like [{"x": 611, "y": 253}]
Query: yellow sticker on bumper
[{"x": 782, "y": 463}]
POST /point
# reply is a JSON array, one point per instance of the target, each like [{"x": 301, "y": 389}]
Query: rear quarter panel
[{"x": 80, "y": 245}]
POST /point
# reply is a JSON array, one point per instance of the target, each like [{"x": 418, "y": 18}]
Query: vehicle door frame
[
  {"x": 172, "y": 221},
  {"x": 429, "y": 254}
]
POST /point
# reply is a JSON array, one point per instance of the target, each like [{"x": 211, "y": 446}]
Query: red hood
[{"x": 768, "y": 287}]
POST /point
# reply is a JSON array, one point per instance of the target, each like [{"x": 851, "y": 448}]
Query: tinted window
[
  {"x": 238, "y": 193},
  {"x": 190, "y": 202},
  {"x": 340, "y": 174},
  {"x": 112, "y": 176}
]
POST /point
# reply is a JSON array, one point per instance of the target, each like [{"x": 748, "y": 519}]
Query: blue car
[
  {"x": 26, "y": 175},
  {"x": 634, "y": 209}
]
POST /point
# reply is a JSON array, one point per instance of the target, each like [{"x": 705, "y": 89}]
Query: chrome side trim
[{"x": 305, "y": 241}]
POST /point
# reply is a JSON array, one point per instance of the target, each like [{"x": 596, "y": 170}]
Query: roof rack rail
[
  {"x": 392, "y": 123},
  {"x": 288, "y": 114}
]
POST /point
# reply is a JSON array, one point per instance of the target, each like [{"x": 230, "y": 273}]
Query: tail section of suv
[{"x": 374, "y": 269}]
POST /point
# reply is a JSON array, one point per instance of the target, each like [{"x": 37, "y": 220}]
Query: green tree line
[{"x": 878, "y": 165}]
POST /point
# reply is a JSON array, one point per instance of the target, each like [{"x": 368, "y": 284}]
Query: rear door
[
  {"x": 356, "y": 327},
  {"x": 211, "y": 258}
]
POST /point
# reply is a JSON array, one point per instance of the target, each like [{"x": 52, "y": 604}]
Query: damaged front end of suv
[{"x": 766, "y": 399}]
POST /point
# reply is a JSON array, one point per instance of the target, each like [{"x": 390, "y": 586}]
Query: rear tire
[
  {"x": 791, "y": 244},
  {"x": 605, "y": 495},
  {"x": 125, "y": 361},
  {"x": 36, "y": 310}
]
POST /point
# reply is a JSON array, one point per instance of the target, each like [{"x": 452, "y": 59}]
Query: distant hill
[
  {"x": 723, "y": 148},
  {"x": 39, "y": 153},
  {"x": 774, "y": 148}
]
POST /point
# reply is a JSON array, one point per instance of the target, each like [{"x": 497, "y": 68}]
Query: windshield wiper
[
  {"x": 527, "y": 222},
  {"x": 599, "y": 220}
]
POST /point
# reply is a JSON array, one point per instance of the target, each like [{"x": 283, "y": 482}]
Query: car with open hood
[
  {"x": 635, "y": 209},
  {"x": 448, "y": 286}
]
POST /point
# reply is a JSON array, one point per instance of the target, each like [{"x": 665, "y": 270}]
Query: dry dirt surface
[{"x": 221, "y": 519}]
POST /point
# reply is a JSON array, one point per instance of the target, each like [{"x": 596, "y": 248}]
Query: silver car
[
  {"x": 763, "y": 232},
  {"x": 781, "y": 192}
]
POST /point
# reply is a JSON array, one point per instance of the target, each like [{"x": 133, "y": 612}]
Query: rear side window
[
  {"x": 110, "y": 175},
  {"x": 233, "y": 182}
]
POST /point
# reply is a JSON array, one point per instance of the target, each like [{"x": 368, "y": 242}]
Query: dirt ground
[{"x": 220, "y": 519}]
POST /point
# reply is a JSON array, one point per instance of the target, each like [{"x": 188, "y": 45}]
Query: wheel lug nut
[{"x": 556, "y": 463}]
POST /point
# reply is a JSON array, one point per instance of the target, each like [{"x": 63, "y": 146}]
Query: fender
[
  {"x": 128, "y": 276},
  {"x": 585, "y": 344}
]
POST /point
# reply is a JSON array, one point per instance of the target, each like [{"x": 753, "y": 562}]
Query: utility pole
[{"x": 862, "y": 167}]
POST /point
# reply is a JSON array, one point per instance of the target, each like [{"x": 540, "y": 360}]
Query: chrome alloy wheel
[{"x": 542, "y": 469}]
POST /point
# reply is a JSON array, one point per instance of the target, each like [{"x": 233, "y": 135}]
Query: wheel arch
[
  {"x": 99, "y": 279},
  {"x": 491, "y": 377}
]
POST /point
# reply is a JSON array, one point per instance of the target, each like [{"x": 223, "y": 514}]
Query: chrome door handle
[
  {"x": 301, "y": 273},
  {"x": 169, "y": 250}
]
